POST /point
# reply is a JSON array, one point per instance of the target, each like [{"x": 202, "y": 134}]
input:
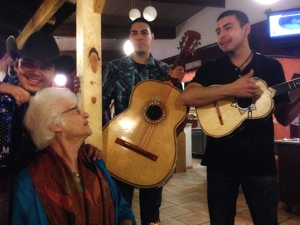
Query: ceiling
[{"x": 15, "y": 14}]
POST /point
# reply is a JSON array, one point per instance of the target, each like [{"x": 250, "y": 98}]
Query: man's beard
[
  {"x": 140, "y": 52},
  {"x": 226, "y": 51}
]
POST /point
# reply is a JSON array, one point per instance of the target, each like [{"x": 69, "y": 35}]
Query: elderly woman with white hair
[{"x": 63, "y": 186}]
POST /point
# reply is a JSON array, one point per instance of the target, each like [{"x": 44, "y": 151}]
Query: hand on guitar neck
[{"x": 176, "y": 74}]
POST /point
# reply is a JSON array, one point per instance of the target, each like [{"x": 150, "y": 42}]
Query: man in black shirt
[{"x": 247, "y": 157}]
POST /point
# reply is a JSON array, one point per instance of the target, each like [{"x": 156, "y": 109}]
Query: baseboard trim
[{"x": 189, "y": 167}]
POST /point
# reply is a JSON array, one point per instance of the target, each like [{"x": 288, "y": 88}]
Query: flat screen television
[{"x": 284, "y": 24}]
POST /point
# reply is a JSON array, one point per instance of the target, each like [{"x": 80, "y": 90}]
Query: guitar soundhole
[
  {"x": 244, "y": 103},
  {"x": 154, "y": 112}
]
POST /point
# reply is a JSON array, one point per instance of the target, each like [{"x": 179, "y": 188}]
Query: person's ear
[
  {"x": 54, "y": 128},
  {"x": 247, "y": 29},
  {"x": 16, "y": 64},
  {"x": 152, "y": 37}
]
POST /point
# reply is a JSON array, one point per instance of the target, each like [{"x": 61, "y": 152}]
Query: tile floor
[{"x": 184, "y": 202}]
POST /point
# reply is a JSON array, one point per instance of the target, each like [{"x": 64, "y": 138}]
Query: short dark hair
[
  {"x": 241, "y": 16},
  {"x": 142, "y": 20}
]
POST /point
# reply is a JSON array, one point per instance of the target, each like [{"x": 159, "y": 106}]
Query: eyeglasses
[
  {"x": 76, "y": 109},
  {"x": 27, "y": 64}
]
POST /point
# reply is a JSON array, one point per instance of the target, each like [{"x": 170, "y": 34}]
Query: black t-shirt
[{"x": 249, "y": 151}]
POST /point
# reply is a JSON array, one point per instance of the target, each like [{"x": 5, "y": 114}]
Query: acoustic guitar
[
  {"x": 224, "y": 117},
  {"x": 139, "y": 144}
]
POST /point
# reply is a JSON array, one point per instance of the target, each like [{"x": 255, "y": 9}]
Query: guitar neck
[
  {"x": 188, "y": 44},
  {"x": 175, "y": 64},
  {"x": 286, "y": 86}
]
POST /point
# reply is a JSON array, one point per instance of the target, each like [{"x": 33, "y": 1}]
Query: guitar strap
[
  {"x": 257, "y": 69},
  {"x": 258, "y": 62}
]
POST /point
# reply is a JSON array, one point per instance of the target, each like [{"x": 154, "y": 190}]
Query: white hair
[{"x": 45, "y": 110}]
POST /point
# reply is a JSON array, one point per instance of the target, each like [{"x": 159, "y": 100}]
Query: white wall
[{"x": 205, "y": 23}]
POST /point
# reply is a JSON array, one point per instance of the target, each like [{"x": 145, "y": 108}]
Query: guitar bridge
[{"x": 136, "y": 149}]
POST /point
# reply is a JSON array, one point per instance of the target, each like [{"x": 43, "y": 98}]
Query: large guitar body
[
  {"x": 228, "y": 115},
  {"x": 139, "y": 145}
]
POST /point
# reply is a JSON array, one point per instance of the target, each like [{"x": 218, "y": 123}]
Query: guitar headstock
[{"x": 190, "y": 42}]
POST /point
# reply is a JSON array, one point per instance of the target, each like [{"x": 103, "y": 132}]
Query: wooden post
[{"x": 88, "y": 47}]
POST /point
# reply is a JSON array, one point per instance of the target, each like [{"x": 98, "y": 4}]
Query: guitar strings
[
  {"x": 144, "y": 132},
  {"x": 161, "y": 97},
  {"x": 286, "y": 86},
  {"x": 156, "y": 112},
  {"x": 164, "y": 93},
  {"x": 279, "y": 88},
  {"x": 142, "y": 135},
  {"x": 189, "y": 42}
]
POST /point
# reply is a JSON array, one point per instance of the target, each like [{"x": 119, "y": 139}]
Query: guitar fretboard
[{"x": 287, "y": 86}]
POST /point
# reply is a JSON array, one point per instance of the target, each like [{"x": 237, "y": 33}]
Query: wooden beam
[
  {"x": 88, "y": 48},
  {"x": 99, "y": 6},
  {"x": 39, "y": 19},
  {"x": 72, "y": 1}
]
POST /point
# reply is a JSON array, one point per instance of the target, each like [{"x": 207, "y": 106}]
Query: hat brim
[
  {"x": 63, "y": 63},
  {"x": 11, "y": 47}
]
